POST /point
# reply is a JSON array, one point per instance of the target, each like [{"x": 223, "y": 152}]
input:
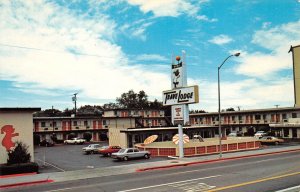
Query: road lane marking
[
  {"x": 253, "y": 182},
  {"x": 167, "y": 184},
  {"x": 290, "y": 189},
  {"x": 228, "y": 166}
]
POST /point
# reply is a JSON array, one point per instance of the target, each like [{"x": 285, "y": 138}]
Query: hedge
[{"x": 19, "y": 168}]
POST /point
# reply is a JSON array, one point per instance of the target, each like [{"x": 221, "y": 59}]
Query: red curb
[
  {"x": 17, "y": 175},
  {"x": 26, "y": 183},
  {"x": 216, "y": 160}
]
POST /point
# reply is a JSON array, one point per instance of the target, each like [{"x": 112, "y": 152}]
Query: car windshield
[
  {"x": 121, "y": 151},
  {"x": 104, "y": 147}
]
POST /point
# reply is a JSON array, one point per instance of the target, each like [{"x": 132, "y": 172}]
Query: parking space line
[{"x": 51, "y": 165}]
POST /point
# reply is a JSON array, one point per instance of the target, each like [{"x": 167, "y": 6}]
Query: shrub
[
  {"x": 87, "y": 136},
  {"x": 19, "y": 154}
]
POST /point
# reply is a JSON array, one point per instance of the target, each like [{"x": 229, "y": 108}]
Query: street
[{"x": 266, "y": 173}]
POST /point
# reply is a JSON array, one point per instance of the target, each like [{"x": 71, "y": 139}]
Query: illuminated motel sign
[{"x": 184, "y": 95}]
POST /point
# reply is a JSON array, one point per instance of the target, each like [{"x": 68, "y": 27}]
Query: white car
[
  {"x": 130, "y": 153},
  {"x": 92, "y": 148},
  {"x": 74, "y": 141},
  {"x": 260, "y": 134}
]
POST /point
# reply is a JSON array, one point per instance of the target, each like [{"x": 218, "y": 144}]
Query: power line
[{"x": 60, "y": 52}]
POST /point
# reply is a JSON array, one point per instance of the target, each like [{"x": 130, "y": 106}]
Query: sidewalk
[{"x": 117, "y": 170}]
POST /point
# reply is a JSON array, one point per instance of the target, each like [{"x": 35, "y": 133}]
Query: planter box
[{"x": 18, "y": 168}]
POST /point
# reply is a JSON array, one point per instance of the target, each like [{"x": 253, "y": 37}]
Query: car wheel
[
  {"x": 108, "y": 154},
  {"x": 276, "y": 143},
  {"x": 125, "y": 158},
  {"x": 146, "y": 156},
  {"x": 46, "y": 144}
]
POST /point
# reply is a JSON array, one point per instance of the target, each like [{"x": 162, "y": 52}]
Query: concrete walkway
[{"x": 123, "y": 169}]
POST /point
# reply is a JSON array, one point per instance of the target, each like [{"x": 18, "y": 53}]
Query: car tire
[
  {"x": 125, "y": 158},
  {"x": 108, "y": 154},
  {"x": 146, "y": 156},
  {"x": 276, "y": 143}
]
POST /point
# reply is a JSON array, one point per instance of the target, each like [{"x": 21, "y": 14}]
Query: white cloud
[
  {"x": 161, "y": 8},
  {"x": 55, "y": 31},
  {"x": 246, "y": 93},
  {"x": 277, "y": 41},
  {"x": 220, "y": 39},
  {"x": 151, "y": 57},
  {"x": 205, "y": 18}
]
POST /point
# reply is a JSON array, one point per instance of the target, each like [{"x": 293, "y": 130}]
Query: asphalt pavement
[{"x": 91, "y": 172}]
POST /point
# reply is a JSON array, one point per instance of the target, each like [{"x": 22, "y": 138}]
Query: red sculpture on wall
[{"x": 9, "y": 132}]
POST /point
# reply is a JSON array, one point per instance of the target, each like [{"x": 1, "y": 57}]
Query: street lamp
[{"x": 220, "y": 131}]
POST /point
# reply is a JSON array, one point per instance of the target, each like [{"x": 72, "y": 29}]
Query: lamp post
[{"x": 219, "y": 111}]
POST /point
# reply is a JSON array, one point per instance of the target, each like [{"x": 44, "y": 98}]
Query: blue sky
[{"x": 52, "y": 49}]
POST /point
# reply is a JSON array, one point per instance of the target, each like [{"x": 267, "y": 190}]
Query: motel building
[
  {"x": 102, "y": 127},
  {"x": 284, "y": 122},
  {"x": 128, "y": 127}
]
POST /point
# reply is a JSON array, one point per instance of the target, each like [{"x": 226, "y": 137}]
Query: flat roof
[
  {"x": 279, "y": 109},
  {"x": 20, "y": 109},
  {"x": 163, "y": 128}
]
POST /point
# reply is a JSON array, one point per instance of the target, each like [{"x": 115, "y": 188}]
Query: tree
[
  {"x": 133, "y": 100},
  {"x": 87, "y": 136},
  {"x": 19, "y": 155},
  {"x": 230, "y": 109}
]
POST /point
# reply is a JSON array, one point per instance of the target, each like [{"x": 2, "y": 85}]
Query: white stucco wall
[{"x": 22, "y": 123}]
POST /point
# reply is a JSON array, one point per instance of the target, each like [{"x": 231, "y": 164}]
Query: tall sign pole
[{"x": 179, "y": 97}]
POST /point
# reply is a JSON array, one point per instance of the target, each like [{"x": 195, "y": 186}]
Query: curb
[
  {"x": 17, "y": 175},
  {"x": 26, "y": 183},
  {"x": 215, "y": 160}
]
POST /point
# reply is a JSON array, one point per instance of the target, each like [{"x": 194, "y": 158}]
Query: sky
[{"x": 51, "y": 49}]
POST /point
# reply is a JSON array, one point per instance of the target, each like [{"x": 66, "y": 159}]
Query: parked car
[
  {"x": 47, "y": 143},
  {"x": 74, "y": 141},
  {"x": 235, "y": 134},
  {"x": 92, "y": 148},
  {"x": 130, "y": 153},
  {"x": 271, "y": 140},
  {"x": 260, "y": 134},
  {"x": 108, "y": 150}
]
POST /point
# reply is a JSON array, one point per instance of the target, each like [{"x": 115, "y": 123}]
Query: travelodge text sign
[{"x": 182, "y": 95}]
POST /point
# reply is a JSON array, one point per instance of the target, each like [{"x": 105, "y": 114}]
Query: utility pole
[{"x": 75, "y": 99}]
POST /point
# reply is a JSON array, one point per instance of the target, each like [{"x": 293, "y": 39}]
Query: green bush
[
  {"x": 19, "y": 154},
  {"x": 87, "y": 136}
]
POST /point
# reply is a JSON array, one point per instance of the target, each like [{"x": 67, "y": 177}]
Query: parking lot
[{"x": 70, "y": 157}]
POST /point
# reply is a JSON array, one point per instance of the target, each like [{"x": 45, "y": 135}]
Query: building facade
[
  {"x": 16, "y": 126},
  {"x": 250, "y": 121},
  {"x": 101, "y": 127}
]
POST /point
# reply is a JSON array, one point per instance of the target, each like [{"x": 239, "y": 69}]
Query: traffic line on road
[
  {"x": 167, "y": 184},
  {"x": 290, "y": 189},
  {"x": 253, "y": 182}
]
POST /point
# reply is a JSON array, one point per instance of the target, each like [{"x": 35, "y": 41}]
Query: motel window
[
  {"x": 240, "y": 117},
  {"x": 233, "y": 118},
  {"x": 257, "y": 117},
  {"x": 74, "y": 123},
  {"x": 54, "y": 124},
  {"x": 85, "y": 123},
  {"x": 43, "y": 124},
  {"x": 294, "y": 115},
  {"x": 284, "y": 116},
  {"x": 104, "y": 122},
  {"x": 264, "y": 117}
]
